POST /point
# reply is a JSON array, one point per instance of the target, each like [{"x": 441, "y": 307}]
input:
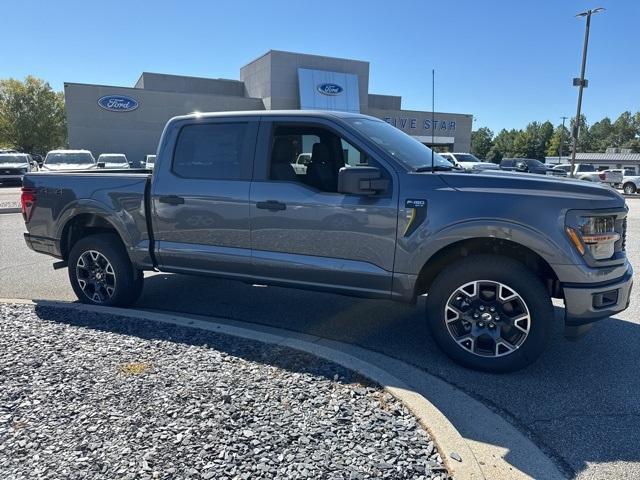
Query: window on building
[
  {"x": 312, "y": 156},
  {"x": 212, "y": 151}
]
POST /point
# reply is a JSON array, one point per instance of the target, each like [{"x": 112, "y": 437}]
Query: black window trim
[
  {"x": 267, "y": 136},
  {"x": 251, "y": 134}
]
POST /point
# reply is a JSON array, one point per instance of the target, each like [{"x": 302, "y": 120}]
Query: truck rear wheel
[
  {"x": 629, "y": 188},
  {"x": 490, "y": 313},
  {"x": 102, "y": 274}
]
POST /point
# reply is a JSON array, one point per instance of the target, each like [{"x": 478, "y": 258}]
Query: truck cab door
[
  {"x": 200, "y": 196},
  {"x": 303, "y": 232}
]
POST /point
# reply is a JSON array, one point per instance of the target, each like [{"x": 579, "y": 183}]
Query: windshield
[
  {"x": 70, "y": 157},
  {"x": 408, "y": 151},
  {"x": 466, "y": 157},
  {"x": 536, "y": 163},
  {"x": 13, "y": 159},
  {"x": 113, "y": 158}
]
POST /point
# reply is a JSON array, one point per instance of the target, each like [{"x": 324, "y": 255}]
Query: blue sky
[{"x": 505, "y": 62}]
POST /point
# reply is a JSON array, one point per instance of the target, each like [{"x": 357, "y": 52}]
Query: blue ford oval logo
[
  {"x": 118, "y": 103},
  {"x": 330, "y": 89}
]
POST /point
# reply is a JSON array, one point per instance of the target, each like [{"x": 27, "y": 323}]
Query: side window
[
  {"x": 311, "y": 155},
  {"x": 212, "y": 151}
]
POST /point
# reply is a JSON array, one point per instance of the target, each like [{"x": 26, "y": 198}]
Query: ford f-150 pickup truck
[{"x": 375, "y": 214}]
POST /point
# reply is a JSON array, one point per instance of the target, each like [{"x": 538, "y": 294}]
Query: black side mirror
[
  {"x": 361, "y": 181},
  {"x": 100, "y": 164}
]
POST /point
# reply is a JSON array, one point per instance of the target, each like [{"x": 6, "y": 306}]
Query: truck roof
[{"x": 274, "y": 113}]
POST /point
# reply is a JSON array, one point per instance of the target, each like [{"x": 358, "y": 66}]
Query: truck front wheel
[
  {"x": 490, "y": 313},
  {"x": 102, "y": 274}
]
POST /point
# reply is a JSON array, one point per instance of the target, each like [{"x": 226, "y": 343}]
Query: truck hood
[
  {"x": 13, "y": 165},
  {"x": 511, "y": 183},
  {"x": 68, "y": 166},
  {"x": 478, "y": 165}
]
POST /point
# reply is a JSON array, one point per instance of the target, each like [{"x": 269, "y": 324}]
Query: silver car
[
  {"x": 14, "y": 165},
  {"x": 113, "y": 160},
  {"x": 69, "y": 160}
]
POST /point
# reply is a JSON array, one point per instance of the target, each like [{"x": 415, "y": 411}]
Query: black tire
[
  {"x": 127, "y": 282},
  {"x": 515, "y": 276},
  {"x": 629, "y": 188}
]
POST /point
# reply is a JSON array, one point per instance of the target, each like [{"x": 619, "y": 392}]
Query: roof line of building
[
  {"x": 191, "y": 77},
  {"x": 135, "y": 89},
  {"x": 272, "y": 50}
]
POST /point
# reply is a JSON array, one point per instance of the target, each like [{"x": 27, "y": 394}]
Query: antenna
[{"x": 433, "y": 107}]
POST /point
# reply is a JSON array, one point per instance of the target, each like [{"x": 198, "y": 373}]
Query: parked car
[
  {"x": 631, "y": 184},
  {"x": 393, "y": 225},
  {"x": 149, "y": 161},
  {"x": 468, "y": 162},
  {"x": 69, "y": 160},
  {"x": 113, "y": 161},
  {"x": 529, "y": 165},
  {"x": 587, "y": 172},
  {"x": 300, "y": 165},
  {"x": 14, "y": 165}
]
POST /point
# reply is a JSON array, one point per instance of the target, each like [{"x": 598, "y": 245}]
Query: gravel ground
[{"x": 103, "y": 397}]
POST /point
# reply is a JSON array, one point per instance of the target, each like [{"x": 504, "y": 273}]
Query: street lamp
[{"x": 581, "y": 83}]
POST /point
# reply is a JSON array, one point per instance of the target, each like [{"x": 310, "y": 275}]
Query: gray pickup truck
[{"x": 375, "y": 214}]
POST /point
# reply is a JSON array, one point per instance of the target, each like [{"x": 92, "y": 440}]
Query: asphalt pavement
[{"x": 580, "y": 402}]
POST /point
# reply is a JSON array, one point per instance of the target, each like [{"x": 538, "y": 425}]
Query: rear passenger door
[{"x": 200, "y": 197}]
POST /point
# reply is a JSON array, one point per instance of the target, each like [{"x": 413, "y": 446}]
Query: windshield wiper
[{"x": 435, "y": 168}]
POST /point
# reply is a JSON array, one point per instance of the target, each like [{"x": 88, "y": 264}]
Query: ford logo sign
[
  {"x": 330, "y": 89},
  {"x": 118, "y": 103}
]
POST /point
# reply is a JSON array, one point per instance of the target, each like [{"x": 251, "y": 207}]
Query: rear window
[
  {"x": 212, "y": 151},
  {"x": 586, "y": 168}
]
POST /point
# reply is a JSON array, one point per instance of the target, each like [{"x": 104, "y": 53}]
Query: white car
[
  {"x": 588, "y": 172},
  {"x": 150, "y": 161},
  {"x": 69, "y": 160},
  {"x": 14, "y": 165},
  {"x": 113, "y": 160},
  {"x": 631, "y": 184},
  {"x": 468, "y": 162},
  {"x": 300, "y": 165}
]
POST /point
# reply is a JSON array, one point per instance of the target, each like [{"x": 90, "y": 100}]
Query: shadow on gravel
[
  {"x": 276, "y": 356},
  {"x": 580, "y": 402}
]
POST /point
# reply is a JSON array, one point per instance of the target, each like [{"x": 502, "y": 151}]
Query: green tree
[
  {"x": 32, "y": 116},
  {"x": 560, "y": 135},
  {"x": 481, "y": 142},
  {"x": 625, "y": 129},
  {"x": 602, "y": 135},
  {"x": 503, "y": 145}
]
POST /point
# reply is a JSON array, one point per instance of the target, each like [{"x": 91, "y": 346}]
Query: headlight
[
  {"x": 24, "y": 170},
  {"x": 596, "y": 235}
]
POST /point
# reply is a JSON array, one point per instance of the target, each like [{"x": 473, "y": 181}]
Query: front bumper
[{"x": 587, "y": 303}]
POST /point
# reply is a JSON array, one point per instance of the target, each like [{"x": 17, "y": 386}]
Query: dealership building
[{"x": 111, "y": 119}]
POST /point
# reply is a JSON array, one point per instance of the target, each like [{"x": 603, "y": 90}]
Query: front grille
[{"x": 10, "y": 171}]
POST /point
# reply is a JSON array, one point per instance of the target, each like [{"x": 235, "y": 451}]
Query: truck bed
[{"x": 117, "y": 195}]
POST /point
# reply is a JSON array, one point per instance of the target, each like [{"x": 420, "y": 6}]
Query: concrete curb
[
  {"x": 489, "y": 446},
  {"x": 10, "y": 210}
]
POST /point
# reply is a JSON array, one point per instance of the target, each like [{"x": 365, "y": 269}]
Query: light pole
[
  {"x": 581, "y": 83},
  {"x": 561, "y": 141}
]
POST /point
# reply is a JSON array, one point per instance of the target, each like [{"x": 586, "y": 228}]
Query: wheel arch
[
  {"x": 487, "y": 245},
  {"x": 83, "y": 225}
]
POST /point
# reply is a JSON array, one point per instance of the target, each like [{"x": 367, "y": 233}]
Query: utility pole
[
  {"x": 561, "y": 141},
  {"x": 581, "y": 83}
]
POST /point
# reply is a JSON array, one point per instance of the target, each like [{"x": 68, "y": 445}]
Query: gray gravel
[{"x": 103, "y": 397}]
